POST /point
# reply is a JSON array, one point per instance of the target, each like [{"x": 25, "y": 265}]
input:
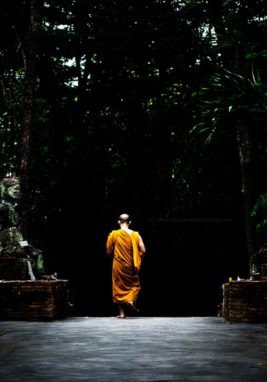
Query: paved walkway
[{"x": 136, "y": 349}]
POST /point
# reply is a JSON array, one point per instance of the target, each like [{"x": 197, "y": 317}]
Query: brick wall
[
  {"x": 245, "y": 301},
  {"x": 34, "y": 300}
]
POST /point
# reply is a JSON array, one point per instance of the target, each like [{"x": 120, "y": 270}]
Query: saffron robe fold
[{"x": 124, "y": 247}]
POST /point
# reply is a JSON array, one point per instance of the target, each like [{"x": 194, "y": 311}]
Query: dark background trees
[{"x": 157, "y": 108}]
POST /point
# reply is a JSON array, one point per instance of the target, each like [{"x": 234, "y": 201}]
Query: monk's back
[{"x": 123, "y": 250}]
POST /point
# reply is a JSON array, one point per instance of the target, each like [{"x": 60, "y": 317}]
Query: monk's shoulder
[
  {"x": 135, "y": 234},
  {"x": 114, "y": 233}
]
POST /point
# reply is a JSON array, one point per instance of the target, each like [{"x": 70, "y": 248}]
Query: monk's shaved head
[{"x": 124, "y": 218}]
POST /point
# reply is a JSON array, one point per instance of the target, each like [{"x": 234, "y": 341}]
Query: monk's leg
[
  {"x": 121, "y": 311},
  {"x": 132, "y": 306}
]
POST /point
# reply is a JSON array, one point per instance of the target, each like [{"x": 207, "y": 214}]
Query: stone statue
[{"x": 12, "y": 242}]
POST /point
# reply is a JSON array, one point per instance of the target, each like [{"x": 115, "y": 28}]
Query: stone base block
[
  {"x": 12, "y": 268},
  {"x": 34, "y": 300},
  {"x": 245, "y": 301}
]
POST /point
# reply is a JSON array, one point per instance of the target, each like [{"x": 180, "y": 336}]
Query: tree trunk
[
  {"x": 29, "y": 57},
  {"x": 244, "y": 150}
]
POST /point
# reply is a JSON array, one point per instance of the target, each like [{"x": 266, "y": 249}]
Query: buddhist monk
[{"x": 127, "y": 250}]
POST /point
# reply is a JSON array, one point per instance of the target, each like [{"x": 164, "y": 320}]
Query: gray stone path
[{"x": 136, "y": 349}]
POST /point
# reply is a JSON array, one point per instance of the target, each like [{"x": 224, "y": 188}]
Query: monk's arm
[
  {"x": 141, "y": 245},
  {"x": 110, "y": 244}
]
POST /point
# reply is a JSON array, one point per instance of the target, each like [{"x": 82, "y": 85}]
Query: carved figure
[{"x": 12, "y": 242}]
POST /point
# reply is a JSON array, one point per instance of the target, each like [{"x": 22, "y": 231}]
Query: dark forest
[{"x": 155, "y": 108}]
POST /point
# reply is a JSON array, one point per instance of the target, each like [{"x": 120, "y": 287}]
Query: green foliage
[
  {"x": 228, "y": 95},
  {"x": 116, "y": 90},
  {"x": 260, "y": 257},
  {"x": 236, "y": 87},
  {"x": 259, "y": 212}
]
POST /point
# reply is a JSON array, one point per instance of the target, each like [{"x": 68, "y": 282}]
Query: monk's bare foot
[{"x": 121, "y": 312}]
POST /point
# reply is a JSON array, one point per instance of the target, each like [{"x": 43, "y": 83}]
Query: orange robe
[{"x": 124, "y": 248}]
